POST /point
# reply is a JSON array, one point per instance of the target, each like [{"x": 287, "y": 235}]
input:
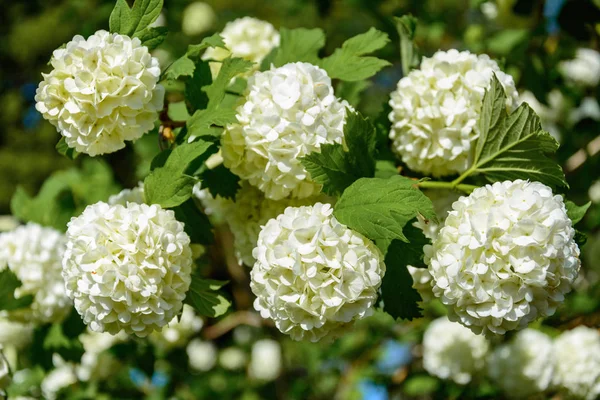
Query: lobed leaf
[
  {"x": 8, "y": 283},
  {"x": 296, "y": 45},
  {"x": 380, "y": 208},
  {"x": 206, "y": 298}
]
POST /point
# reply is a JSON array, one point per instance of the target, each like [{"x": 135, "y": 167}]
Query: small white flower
[
  {"x": 577, "y": 368},
  {"x": 179, "y": 331},
  {"x": 451, "y": 351},
  {"x": 584, "y": 69},
  {"x": 265, "y": 361},
  {"x": 232, "y": 358},
  {"x": 289, "y": 112},
  {"x": 127, "y": 267},
  {"x": 97, "y": 363},
  {"x": 248, "y": 38},
  {"x": 313, "y": 276},
  {"x": 197, "y": 18},
  {"x": 102, "y": 91},
  {"x": 436, "y": 109},
  {"x": 505, "y": 256},
  {"x": 60, "y": 377},
  {"x": 34, "y": 254},
  {"x": 523, "y": 366},
  {"x": 202, "y": 355},
  {"x": 135, "y": 195}
]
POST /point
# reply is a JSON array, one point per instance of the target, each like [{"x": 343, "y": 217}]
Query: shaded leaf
[
  {"x": 153, "y": 37},
  {"x": 206, "y": 298},
  {"x": 220, "y": 181},
  {"x": 196, "y": 223},
  {"x": 65, "y": 150},
  {"x": 8, "y": 283},
  {"x": 575, "y": 212}
]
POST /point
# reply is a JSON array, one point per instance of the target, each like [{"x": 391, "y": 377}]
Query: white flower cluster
[
  {"x": 248, "y": 38},
  {"x": 62, "y": 376},
  {"x": 314, "y": 276},
  {"x": 135, "y": 195},
  {"x": 584, "y": 69},
  {"x": 197, "y": 18},
  {"x": 97, "y": 363},
  {"x": 179, "y": 331},
  {"x": 577, "y": 355},
  {"x": 34, "y": 254},
  {"x": 436, "y": 108},
  {"x": 202, "y": 355},
  {"x": 127, "y": 267},
  {"x": 289, "y": 113},
  {"x": 265, "y": 361},
  {"x": 505, "y": 256},
  {"x": 102, "y": 92},
  {"x": 524, "y": 366},
  {"x": 451, "y": 351}
]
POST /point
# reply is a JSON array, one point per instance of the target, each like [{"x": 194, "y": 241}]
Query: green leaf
[
  {"x": 181, "y": 67},
  {"x": 153, "y": 37},
  {"x": 337, "y": 169},
  {"x": 143, "y": 13},
  {"x": 8, "y": 283},
  {"x": 513, "y": 146},
  {"x": 169, "y": 185},
  {"x": 119, "y": 18},
  {"x": 196, "y": 223},
  {"x": 65, "y": 150},
  {"x": 185, "y": 65},
  {"x": 299, "y": 44},
  {"x": 400, "y": 299},
  {"x": 206, "y": 298},
  {"x": 406, "y": 27},
  {"x": 195, "y": 50},
  {"x": 55, "y": 341},
  {"x": 349, "y": 62},
  {"x": 208, "y": 124},
  {"x": 380, "y": 208},
  {"x": 575, "y": 212},
  {"x": 220, "y": 181},
  {"x": 193, "y": 86},
  {"x": 230, "y": 68}
]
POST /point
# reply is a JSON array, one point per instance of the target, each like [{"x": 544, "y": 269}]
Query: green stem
[
  {"x": 464, "y": 176},
  {"x": 447, "y": 185}
]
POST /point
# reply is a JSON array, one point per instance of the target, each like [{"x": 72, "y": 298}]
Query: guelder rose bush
[
  {"x": 102, "y": 92},
  {"x": 435, "y": 110},
  {"x": 34, "y": 254},
  {"x": 451, "y": 351},
  {"x": 127, "y": 267},
  {"x": 314, "y": 276},
  {"x": 505, "y": 256},
  {"x": 288, "y": 113},
  {"x": 525, "y": 365}
]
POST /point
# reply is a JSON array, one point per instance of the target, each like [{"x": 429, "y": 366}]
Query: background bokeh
[{"x": 380, "y": 359}]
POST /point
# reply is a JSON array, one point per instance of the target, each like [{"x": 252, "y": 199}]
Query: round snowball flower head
[
  {"x": 102, "y": 91},
  {"x": 135, "y": 195},
  {"x": 289, "y": 112},
  {"x": 577, "y": 368},
  {"x": 451, "y": 351},
  {"x": 435, "y": 110},
  {"x": 505, "y": 256},
  {"x": 265, "y": 361},
  {"x": 314, "y": 276},
  {"x": 523, "y": 366},
  {"x": 248, "y": 38},
  {"x": 34, "y": 253},
  {"x": 127, "y": 267},
  {"x": 584, "y": 69},
  {"x": 202, "y": 355},
  {"x": 197, "y": 18}
]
